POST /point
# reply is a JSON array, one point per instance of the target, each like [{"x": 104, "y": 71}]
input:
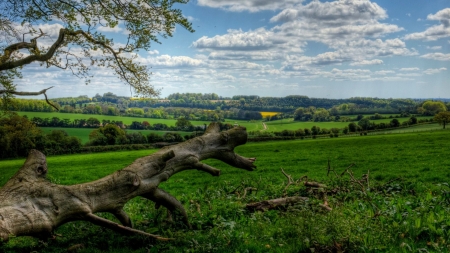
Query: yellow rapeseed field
[{"x": 268, "y": 114}]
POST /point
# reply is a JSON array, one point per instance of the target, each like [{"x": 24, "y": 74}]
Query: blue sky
[{"x": 328, "y": 49}]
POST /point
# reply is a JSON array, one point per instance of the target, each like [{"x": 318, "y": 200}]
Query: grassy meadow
[
  {"x": 251, "y": 126},
  {"x": 404, "y": 207},
  {"x": 271, "y": 126},
  {"x": 290, "y": 124},
  {"x": 83, "y": 133},
  {"x": 125, "y": 120}
]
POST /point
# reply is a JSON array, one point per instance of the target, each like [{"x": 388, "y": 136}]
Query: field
[
  {"x": 271, "y": 126},
  {"x": 405, "y": 208},
  {"x": 83, "y": 133},
  {"x": 268, "y": 114},
  {"x": 128, "y": 120},
  {"x": 125, "y": 120},
  {"x": 290, "y": 124}
]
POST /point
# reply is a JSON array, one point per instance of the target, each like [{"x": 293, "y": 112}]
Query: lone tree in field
[
  {"x": 442, "y": 118},
  {"x": 30, "y": 204}
]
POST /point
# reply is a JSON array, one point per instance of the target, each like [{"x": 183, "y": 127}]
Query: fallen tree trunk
[{"x": 31, "y": 205}]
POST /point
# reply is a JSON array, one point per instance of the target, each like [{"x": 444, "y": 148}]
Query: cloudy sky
[{"x": 328, "y": 49}]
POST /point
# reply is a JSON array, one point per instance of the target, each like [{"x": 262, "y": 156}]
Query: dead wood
[
  {"x": 31, "y": 205},
  {"x": 275, "y": 203},
  {"x": 248, "y": 189},
  {"x": 315, "y": 185}
]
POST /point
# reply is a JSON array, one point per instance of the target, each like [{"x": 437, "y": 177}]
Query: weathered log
[
  {"x": 275, "y": 203},
  {"x": 31, "y": 205}
]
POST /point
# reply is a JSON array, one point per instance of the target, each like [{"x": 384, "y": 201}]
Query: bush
[
  {"x": 153, "y": 138},
  {"x": 172, "y": 137}
]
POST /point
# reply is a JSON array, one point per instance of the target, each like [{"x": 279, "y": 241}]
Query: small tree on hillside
[
  {"x": 442, "y": 118},
  {"x": 352, "y": 127},
  {"x": 394, "y": 123},
  {"x": 433, "y": 107},
  {"x": 364, "y": 123},
  {"x": 183, "y": 123}
]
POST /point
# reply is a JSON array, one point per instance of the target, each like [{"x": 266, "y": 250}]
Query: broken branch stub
[{"x": 31, "y": 205}]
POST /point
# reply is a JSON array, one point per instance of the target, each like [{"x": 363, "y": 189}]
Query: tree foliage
[
  {"x": 433, "y": 107},
  {"x": 18, "y": 135},
  {"x": 443, "y": 118},
  {"x": 80, "y": 44}
]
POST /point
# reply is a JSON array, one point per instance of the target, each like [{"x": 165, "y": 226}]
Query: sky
[{"x": 322, "y": 49}]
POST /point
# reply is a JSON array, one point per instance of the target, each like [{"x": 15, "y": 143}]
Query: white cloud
[
  {"x": 434, "y": 71},
  {"x": 414, "y": 74},
  {"x": 384, "y": 72},
  {"x": 437, "y": 56},
  {"x": 260, "y": 39},
  {"x": 190, "y": 18},
  {"x": 248, "y": 5},
  {"x": 347, "y": 74},
  {"x": 434, "y": 47},
  {"x": 367, "y": 62},
  {"x": 115, "y": 29},
  {"x": 152, "y": 52},
  {"x": 409, "y": 69},
  {"x": 172, "y": 61},
  {"x": 443, "y": 16},
  {"x": 349, "y": 27},
  {"x": 337, "y": 12},
  {"x": 437, "y": 31}
]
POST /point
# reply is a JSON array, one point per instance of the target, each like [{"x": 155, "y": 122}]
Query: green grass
[
  {"x": 83, "y": 133},
  {"x": 273, "y": 126},
  {"x": 414, "y": 210},
  {"x": 251, "y": 126},
  {"x": 290, "y": 124},
  {"x": 125, "y": 120}
]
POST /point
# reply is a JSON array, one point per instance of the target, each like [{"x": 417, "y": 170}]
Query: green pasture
[
  {"x": 382, "y": 154},
  {"x": 405, "y": 208},
  {"x": 290, "y": 124},
  {"x": 251, "y": 126},
  {"x": 83, "y": 133},
  {"x": 415, "y": 128},
  {"x": 125, "y": 120},
  {"x": 400, "y": 119}
]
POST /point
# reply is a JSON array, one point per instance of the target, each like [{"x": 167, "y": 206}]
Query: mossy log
[{"x": 32, "y": 205}]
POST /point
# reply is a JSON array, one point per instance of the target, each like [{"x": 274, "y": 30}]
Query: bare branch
[
  {"x": 27, "y": 93},
  {"x": 7, "y": 65}
]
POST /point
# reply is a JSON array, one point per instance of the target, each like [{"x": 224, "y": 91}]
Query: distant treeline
[
  {"x": 285, "y": 104},
  {"x": 211, "y": 107},
  {"x": 107, "y": 108}
]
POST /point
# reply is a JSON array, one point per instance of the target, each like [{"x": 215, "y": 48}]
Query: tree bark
[{"x": 31, "y": 205}]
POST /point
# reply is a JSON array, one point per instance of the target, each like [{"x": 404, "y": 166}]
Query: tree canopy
[
  {"x": 80, "y": 44},
  {"x": 442, "y": 118}
]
